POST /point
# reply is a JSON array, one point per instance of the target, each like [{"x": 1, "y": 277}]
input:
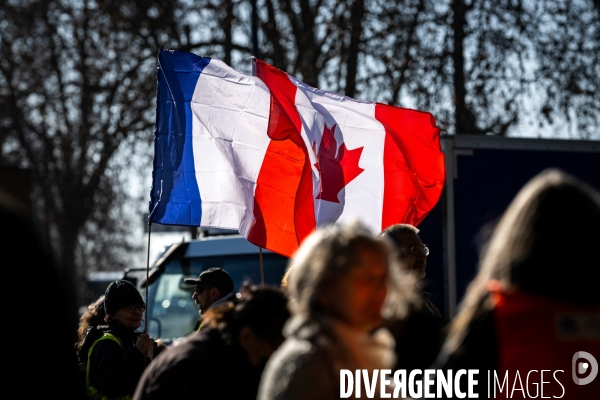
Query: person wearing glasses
[
  {"x": 116, "y": 354},
  {"x": 420, "y": 333},
  {"x": 213, "y": 288},
  {"x": 412, "y": 255}
]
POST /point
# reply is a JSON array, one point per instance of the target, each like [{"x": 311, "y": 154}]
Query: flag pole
[
  {"x": 262, "y": 271},
  {"x": 254, "y": 19},
  {"x": 147, "y": 276}
]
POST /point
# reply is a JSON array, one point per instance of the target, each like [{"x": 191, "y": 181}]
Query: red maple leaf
[{"x": 336, "y": 171}]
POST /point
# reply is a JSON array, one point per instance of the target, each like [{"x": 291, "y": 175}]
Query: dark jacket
[
  {"x": 428, "y": 305},
  {"x": 477, "y": 351},
  {"x": 203, "y": 365},
  {"x": 114, "y": 370},
  {"x": 419, "y": 336}
]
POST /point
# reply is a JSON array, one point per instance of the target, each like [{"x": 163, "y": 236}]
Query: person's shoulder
[
  {"x": 296, "y": 355},
  {"x": 296, "y": 349},
  {"x": 195, "y": 346},
  {"x": 196, "y": 357},
  {"x": 432, "y": 308},
  {"x": 93, "y": 334},
  {"x": 298, "y": 369},
  {"x": 426, "y": 303},
  {"x": 478, "y": 347}
]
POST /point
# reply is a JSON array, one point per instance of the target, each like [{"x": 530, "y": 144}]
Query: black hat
[
  {"x": 214, "y": 277},
  {"x": 121, "y": 294}
]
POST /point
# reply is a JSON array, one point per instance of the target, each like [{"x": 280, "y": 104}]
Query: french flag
[{"x": 274, "y": 158}]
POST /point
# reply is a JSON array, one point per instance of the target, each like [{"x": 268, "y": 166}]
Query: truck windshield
[{"x": 172, "y": 312}]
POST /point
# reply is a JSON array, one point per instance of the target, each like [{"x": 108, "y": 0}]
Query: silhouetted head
[
  {"x": 546, "y": 240},
  {"x": 545, "y": 243},
  {"x": 253, "y": 320},
  {"x": 411, "y": 253}
]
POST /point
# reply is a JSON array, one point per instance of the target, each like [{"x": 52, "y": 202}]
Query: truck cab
[{"x": 172, "y": 312}]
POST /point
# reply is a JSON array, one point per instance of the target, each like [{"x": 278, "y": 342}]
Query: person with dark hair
[
  {"x": 534, "y": 304},
  {"x": 213, "y": 287},
  {"x": 225, "y": 359},
  {"x": 116, "y": 354}
]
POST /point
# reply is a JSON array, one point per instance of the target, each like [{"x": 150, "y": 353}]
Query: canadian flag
[{"x": 273, "y": 158}]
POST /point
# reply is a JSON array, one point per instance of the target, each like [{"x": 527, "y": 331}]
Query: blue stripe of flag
[{"x": 175, "y": 197}]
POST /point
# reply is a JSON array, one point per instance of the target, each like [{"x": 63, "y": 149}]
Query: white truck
[{"x": 172, "y": 312}]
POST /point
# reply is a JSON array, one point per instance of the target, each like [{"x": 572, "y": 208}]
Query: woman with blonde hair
[
  {"x": 341, "y": 285},
  {"x": 535, "y": 297}
]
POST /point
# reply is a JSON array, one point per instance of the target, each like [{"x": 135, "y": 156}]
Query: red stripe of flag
[
  {"x": 283, "y": 202},
  {"x": 411, "y": 144}
]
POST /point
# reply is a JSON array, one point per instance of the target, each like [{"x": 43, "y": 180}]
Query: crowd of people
[{"x": 351, "y": 300}]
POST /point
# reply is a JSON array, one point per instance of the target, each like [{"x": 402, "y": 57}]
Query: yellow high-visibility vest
[{"x": 92, "y": 392}]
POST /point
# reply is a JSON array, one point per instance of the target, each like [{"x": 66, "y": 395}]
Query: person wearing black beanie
[
  {"x": 116, "y": 354},
  {"x": 119, "y": 294}
]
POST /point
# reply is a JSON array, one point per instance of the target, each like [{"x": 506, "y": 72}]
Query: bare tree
[
  {"x": 567, "y": 58},
  {"x": 488, "y": 67},
  {"x": 303, "y": 36},
  {"x": 77, "y": 82}
]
